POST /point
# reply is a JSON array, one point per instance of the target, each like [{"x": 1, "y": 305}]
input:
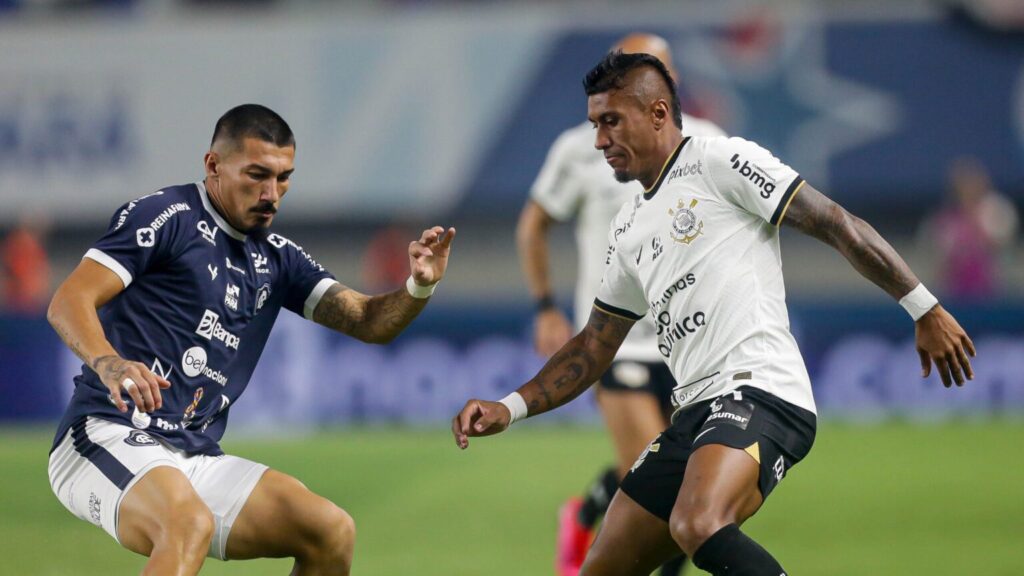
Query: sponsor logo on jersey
[
  {"x": 167, "y": 426},
  {"x": 211, "y": 329},
  {"x": 731, "y": 410},
  {"x": 123, "y": 216},
  {"x": 146, "y": 235},
  {"x": 232, "y": 267},
  {"x": 684, "y": 282},
  {"x": 608, "y": 255},
  {"x": 190, "y": 411},
  {"x": 231, "y": 296},
  {"x": 656, "y": 248},
  {"x": 681, "y": 396},
  {"x": 277, "y": 241},
  {"x": 686, "y": 227},
  {"x": 158, "y": 369},
  {"x": 259, "y": 262},
  {"x": 670, "y": 332},
  {"x": 629, "y": 223},
  {"x": 213, "y": 271},
  {"x": 755, "y": 174},
  {"x": 194, "y": 362},
  {"x": 262, "y": 295},
  {"x": 686, "y": 170},
  {"x": 140, "y": 419},
  {"x": 210, "y": 234},
  {"x": 137, "y": 438}
]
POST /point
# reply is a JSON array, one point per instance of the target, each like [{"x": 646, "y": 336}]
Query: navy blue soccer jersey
[{"x": 199, "y": 301}]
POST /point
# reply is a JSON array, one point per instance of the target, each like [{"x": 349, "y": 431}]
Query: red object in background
[
  {"x": 386, "y": 260},
  {"x": 26, "y": 272}
]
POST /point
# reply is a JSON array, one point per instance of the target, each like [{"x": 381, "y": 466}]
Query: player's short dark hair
[
  {"x": 610, "y": 74},
  {"x": 253, "y": 121}
]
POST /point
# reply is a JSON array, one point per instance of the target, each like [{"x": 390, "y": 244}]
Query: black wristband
[{"x": 545, "y": 303}]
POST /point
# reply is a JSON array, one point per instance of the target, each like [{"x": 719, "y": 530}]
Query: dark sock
[
  {"x": 730, "y": 552},
  {"x": 673, "y": 567},
  {"x": 599, "y": 496}
]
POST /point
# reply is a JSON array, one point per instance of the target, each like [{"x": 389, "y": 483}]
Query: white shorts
[{"x": 97, "y": 462}]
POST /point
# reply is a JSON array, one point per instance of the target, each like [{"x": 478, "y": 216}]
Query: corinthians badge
[{"x": 685, "y": 226}]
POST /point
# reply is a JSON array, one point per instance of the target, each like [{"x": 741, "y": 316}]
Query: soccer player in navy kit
[
  {"x": 699, "y": 250},
  {"x": 170, "y": 311}
]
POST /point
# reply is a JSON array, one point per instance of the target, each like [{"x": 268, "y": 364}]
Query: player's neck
[
  {"x": 665, "y": 149},
  {"x": 216, "y": 202}
]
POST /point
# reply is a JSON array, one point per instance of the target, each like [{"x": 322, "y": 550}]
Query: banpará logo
[
  {"x": 686, "y": 170},
  {"x": 211, "y": 329},
  {"x": 137, "y": 438},
  {"x": 210, "y": 234},
  {"x": 685, "y": 225},
  {"x": 755, "y": 174}
]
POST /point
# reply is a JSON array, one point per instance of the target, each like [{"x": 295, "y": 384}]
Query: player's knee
[
  {"x": 691, "y": 528},
  {"x": 190, "y": 525},
  {"x": 334, "y": 535}
]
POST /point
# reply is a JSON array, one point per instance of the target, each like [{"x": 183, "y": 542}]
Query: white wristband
[
  {"x": 918, "y": 302},
  {"x": 516, "y": 406},
  {"x": 417, "y": 291}
]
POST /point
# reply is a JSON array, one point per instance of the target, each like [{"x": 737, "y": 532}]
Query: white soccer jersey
[
  {"x": 577, "y": 182},
  {"x": 700, "y": 253}
]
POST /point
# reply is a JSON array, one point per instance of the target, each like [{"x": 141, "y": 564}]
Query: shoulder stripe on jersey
[
  {"x": 315, "y": 295},
  {"x": 780, "y": 210},
  {"x": 110, "y": 466},
  {"x": 648, "y": 194},
  {"x": 616, "y": 311},
  {"x": 114, "y": 266}
]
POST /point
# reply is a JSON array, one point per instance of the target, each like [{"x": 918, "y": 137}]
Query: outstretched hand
[
  {"x": 428, "y": 256},
  {"x": 479, "y": 418},
  {"x": 941, "y": 340}
]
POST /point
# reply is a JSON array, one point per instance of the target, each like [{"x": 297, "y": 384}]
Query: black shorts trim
[{"x": 774, "y": 432}]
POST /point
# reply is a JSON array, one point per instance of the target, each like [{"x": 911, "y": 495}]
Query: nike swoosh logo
[
  {"x": 638, "y": 255},
  {"x": 703, "y": 433}
]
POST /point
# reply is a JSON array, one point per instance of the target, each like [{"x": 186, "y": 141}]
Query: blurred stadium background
[{"x": 411, "y": 113}]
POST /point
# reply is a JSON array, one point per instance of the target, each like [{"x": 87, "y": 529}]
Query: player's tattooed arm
[
  {"x": 816, "y": 215},
  {"x": 940, "y": 339},
  {"x": 374, "y": 319},
  {"x": 578, "y": 364}
]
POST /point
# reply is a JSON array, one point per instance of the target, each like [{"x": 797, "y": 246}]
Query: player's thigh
[
  {"x": 161, "y": 501},
  {"x": 283, "y": 518},
  {"x": 632, "y": 410},
  {"x": 720, "y": 486},
  {"x": 98, "y": 466},
  {"x": 631, "y": 541}
]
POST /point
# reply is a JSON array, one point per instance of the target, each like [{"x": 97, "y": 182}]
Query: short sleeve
[
  {"x": 141, "y": 233},
  {"x": 751, "y": 178},
  {"x": 308, "y": 280},
  {"x": 556, "y": 190},
  {"x": 620, "y": 292}
]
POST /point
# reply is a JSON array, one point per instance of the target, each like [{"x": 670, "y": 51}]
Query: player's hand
[
  {"x": 428, "y": 256},
  {"x": 941, "y": 340},
  {"x": 479, "y": 418},
  {"x": 551, "y": 330},
  {"x": 132, "y": 378}
]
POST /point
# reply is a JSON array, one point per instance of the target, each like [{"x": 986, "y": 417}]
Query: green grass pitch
[{"x": 929, "y": 500}]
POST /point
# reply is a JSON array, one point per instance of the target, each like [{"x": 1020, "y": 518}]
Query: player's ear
[
  {"x": 211, "y": 162},
  {"x": 659, "y": 114}
]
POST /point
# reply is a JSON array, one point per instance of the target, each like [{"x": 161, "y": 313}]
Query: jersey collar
[
  {"x": 221, "y": 222},
  {"x": 648, "y": 194}
]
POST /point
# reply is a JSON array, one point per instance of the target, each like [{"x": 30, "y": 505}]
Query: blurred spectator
[
  {"x": 26, "y": 267},
  {"x": 386, "y": 259},
  {"x": 970, "y": 233}
]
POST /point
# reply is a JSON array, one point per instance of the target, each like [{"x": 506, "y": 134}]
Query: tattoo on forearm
[
  {"x": 368, "y": 318},
  {"x": 814, "y": 214},
  {"x": 578, "y": 364}
]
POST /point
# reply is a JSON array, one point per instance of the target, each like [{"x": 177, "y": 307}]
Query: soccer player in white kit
[
  {"x": 634, "y": 395},
  {"x": 699, "y": 251}
]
